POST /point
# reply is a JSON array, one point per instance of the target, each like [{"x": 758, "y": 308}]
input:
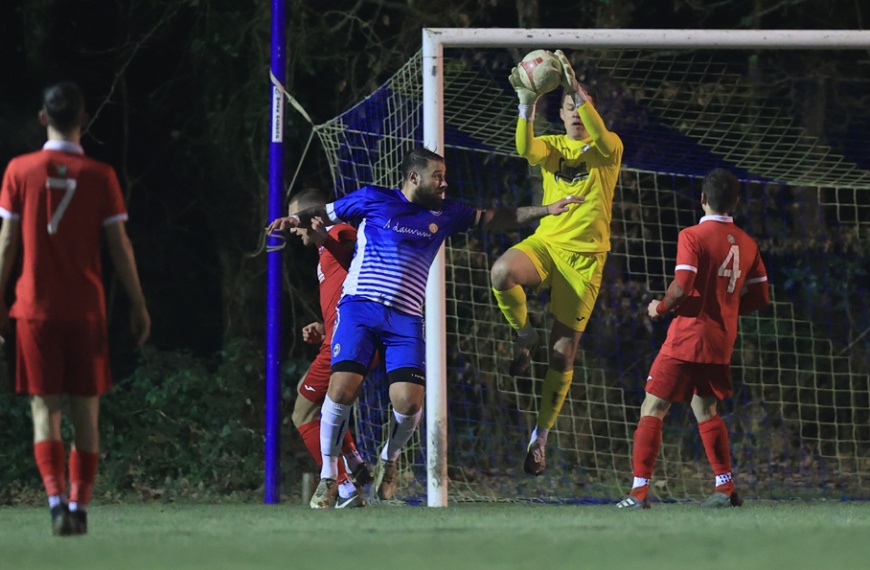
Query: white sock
[
  {"x": 723, "y": 478},
  {"x": 333, "y": 423},
  {"x": 55, "y": 500},
  {"x": 540, "y": 435},
  {"x": 74, "y": 506},
  {"x": 346, "y": 489},
  {"x": 640, "y": 482},
  {"x": 400, "y": 432}
]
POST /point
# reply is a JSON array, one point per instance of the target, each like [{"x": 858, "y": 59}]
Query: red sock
[
  {"x": 82, "y": 472},
  {"x": 51, "y": 460},
  {"x": 714, "y": 434},
  {"x": 647, "y": 441},
  {"x": 310, "y": 433},
  {"x": 348, "y": 446}
]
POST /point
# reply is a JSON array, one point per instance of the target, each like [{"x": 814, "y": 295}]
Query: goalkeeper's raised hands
[
  {"x": 524, "y": 94},
  {"x": 569, "y": 79}
]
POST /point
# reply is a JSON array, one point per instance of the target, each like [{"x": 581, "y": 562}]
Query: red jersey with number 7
[
  {"x": 63, "y": 200},
  {"x": 722, "y": 259}
]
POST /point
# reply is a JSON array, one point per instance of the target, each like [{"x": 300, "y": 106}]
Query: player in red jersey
[
  {"x": 335, "y": 247},
  {"x": 56, "y": 204},
  {"x": 719, "y": 275}
]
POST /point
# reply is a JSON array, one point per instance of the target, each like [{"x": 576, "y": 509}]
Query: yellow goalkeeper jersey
[{"x": 588, "y": 168}]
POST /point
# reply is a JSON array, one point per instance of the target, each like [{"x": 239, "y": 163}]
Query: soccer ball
[{"x": 540, "y": 71}]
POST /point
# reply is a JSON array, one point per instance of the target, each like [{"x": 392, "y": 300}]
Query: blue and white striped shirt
[{"x": 396, "y": 243}]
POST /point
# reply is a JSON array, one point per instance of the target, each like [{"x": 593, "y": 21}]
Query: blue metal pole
[{"x": 272, "y": 482}]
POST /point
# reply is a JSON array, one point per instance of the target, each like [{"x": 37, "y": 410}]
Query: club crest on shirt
[
  {"x": 731, "y": 239},
  {"x": 433, "y": 228},
  {"x": 571, "y": 174}
]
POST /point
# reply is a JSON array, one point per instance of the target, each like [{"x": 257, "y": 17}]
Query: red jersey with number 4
[
  {"x": 723, "y": 258},
  {"x": 335, "y": 256},
  {"x": 63, "y": 200}
]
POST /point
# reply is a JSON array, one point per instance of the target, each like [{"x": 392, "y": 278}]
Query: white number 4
[
  {"x": 734, "y": 273},
  {"x": 68, "y": 184}
]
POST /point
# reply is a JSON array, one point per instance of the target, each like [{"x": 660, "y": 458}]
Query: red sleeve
[
  {"x": 688, "y": 249},
  {"x": 340, "y": 244},
  {"x": 114, "y": 205},
  {"x": 684, "y": 273},
  {"x": 10, "y": 199}
]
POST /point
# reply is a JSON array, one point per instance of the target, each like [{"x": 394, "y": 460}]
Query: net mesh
[{"x": 792, "y": 126}]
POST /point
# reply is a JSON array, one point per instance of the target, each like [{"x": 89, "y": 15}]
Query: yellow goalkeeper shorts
[{"x": 574, "y": 279}]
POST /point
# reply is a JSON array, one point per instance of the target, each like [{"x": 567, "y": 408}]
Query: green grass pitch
[{"x": 769, "y": 535}]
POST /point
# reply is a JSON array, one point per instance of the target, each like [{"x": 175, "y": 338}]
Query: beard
[{"x": 430, "y": 200}]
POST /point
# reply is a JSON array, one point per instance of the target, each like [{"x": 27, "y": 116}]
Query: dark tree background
[{"x": 178, "y": 92}]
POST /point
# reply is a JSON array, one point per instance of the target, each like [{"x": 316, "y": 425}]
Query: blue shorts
[{"x": 363, "y": 327}]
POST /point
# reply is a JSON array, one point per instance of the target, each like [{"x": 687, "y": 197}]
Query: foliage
[
  {"x": 178, "y": 91},
  {"x": 178, "y": 427}
]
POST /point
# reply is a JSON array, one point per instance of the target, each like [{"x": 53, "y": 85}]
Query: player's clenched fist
[
  {"x": 313, "y": 333},
  {"x": 651, "y": 310}
]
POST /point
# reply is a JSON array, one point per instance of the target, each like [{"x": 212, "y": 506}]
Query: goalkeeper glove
[
  {"x": 526, "y": 96},
  {"x": 569, "y": 80}
]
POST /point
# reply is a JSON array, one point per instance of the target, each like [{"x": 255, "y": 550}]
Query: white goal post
[{"x": 434, "y": 42}]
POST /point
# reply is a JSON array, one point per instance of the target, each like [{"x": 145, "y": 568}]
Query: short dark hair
[
  {"x": 307, "y": 198},
  {"x": 418, "y": 159},
  {"x": 722, "y": 190},
  {"x": 64, "y": 105}
]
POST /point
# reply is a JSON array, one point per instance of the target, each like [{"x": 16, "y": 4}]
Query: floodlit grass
[{"x": 787, "y": 535}]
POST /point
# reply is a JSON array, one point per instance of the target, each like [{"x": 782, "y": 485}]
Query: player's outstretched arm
[
  {"x": 507, "y": 218},
  {"x": 121, "y": 252},
  {"x": 300, "y": 219},
  {"x": 532, "y": 149},
  {"x": 606, "y": 141}
]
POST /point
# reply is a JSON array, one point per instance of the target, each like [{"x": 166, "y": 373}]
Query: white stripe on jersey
[
  {"x": 756, "y": 280},
  {"x": 378, "y": 273},
  {"x": 115, "y": 219},
  {"x": 684, "y": 267}
]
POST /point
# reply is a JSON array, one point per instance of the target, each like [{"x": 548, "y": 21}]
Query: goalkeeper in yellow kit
[{"x": 566, "y": 253}]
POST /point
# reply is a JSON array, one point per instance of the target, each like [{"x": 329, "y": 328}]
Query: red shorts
[
  {"x": 678, "y": 380},
  {"x": 62, "y": 357},
  {"x": 316, "y": 382}
]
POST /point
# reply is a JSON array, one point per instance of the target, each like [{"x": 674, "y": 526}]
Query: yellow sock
[
  {"x": 556, "y": 386},
  {"x": 513, "y": 304}
]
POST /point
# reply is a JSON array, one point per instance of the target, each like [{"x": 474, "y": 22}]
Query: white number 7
[
  {"x": 68, "y": 184},
  {"x": 734, "y": 273}
]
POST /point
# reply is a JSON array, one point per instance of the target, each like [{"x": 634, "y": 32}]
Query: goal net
[{"x": 792, "y": 124}]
